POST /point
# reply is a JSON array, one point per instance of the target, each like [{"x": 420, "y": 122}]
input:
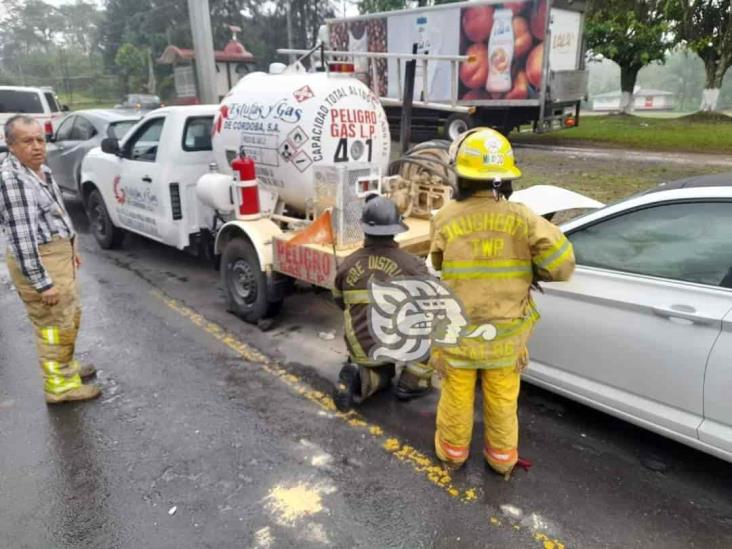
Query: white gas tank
[{"x": 289, "y": 123}]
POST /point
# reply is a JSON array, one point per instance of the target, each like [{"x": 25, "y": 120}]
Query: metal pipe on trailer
[
  {"x": 382, "y": 55},
  {"x": 405, "y": 124}
]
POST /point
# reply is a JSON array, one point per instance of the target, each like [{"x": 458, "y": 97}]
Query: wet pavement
[{"x": 213, "y": 433}]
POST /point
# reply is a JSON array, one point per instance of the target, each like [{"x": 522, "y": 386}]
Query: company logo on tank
[{"x": 281, "y": 110}]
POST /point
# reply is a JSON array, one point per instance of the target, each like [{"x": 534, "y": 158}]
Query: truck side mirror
[{"x": 110, "y": 145}]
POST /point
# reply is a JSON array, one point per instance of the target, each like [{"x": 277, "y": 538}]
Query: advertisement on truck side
[{"x": 506, "y": 40}]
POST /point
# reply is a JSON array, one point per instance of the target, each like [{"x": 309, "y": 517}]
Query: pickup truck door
[
  {"x": 634, "y": 327},
  {"x": 138, "y": 203},
  {"x": 717, "y": 427}
]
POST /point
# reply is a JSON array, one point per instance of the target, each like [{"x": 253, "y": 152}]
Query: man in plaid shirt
[{"x": 42, "y": 260}]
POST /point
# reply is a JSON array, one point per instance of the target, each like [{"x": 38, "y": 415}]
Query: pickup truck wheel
[
  {"x": 245, "y": 283},
  {"x": 456, "y": 124},
  {"x": 108, "y": 236}
]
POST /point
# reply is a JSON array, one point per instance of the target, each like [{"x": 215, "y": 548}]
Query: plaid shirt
[{"x": 31, "y": 213}]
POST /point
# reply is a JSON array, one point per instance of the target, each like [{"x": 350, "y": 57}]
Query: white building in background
[{"x": 644, "y": 100}]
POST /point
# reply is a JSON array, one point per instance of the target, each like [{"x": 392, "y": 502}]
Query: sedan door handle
[
  {"x": 147, "y": 179},
  {"x": 683, "y": 312}
]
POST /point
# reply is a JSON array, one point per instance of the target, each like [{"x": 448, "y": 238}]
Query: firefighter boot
[
  {"x": 83, "y": 392},
  {"x": 412, "y": 385},
  {"x": 347, "y": 388}
]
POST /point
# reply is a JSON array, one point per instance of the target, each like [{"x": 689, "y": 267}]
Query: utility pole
[
  {"x": 290, "y": 44},
  {"x": 200, "y": 17}
]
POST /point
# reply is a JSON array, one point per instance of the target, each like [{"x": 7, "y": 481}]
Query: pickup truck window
[
  {"x": 143, "y": 146},
  {"x": 51, "y": 100},
  {"x": 197, "y": 134},
  {"x": 20, "y": 101}
]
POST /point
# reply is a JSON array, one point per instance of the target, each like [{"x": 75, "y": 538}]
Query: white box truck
[{"x": 525, "y": 66}]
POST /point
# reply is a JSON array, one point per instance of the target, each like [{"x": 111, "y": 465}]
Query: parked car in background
[
  {"x": 39, "y": 103},
  {"x": 140, "y": 102},
  {"x": 643, "y": 331},
  {"x": 79, "y": 133}
]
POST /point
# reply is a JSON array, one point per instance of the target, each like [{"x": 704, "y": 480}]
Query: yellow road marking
[{"x": 421, "y": 463}]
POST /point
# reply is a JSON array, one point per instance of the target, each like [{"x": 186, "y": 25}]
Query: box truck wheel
[
  {"x": 108, "y": 236},
  {"x": 245, "y": 283},
  {"x": 456, "y": 124}
]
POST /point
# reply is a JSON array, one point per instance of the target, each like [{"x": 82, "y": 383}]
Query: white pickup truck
[
  {"x": 146, "y": 183},
  {"x": 38, "y": 103}
]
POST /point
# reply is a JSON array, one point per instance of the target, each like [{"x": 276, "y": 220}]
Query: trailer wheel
[
  {"x": 107, "y": 235},
  {"x": 245, "y": 283},
  {"x": 456, "y": 124}
]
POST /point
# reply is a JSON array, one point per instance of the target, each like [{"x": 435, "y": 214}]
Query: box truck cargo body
[{"x": 526, "y": 62}]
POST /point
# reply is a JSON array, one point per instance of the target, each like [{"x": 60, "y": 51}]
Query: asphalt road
[
  {"x": 624, "y": 155},
  {"x": 212, "y": 433}
]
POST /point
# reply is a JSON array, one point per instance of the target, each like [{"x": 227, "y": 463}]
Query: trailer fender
[{"x": 259, "y": 232}]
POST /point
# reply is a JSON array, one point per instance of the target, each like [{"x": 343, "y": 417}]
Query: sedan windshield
[{"x": 119, "y": 129}]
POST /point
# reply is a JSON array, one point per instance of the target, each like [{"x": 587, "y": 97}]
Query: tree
[
  {"x": 81, "y": 25},
  {"x": 682, "y": 74},
  {"x": 705, "y": 27},
  {"x": 132, "y": 62},
  {"x": 633, "y": 33},
  {"x": 376, "y": 6}
]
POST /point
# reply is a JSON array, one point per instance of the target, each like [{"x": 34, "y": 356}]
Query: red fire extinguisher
[{"x": 246, "y": 181}]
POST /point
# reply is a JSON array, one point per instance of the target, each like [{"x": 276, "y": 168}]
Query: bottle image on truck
[{"x": 500, "y": 53}]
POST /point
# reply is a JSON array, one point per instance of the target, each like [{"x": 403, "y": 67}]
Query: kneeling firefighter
[
  {"x": 490, "y": 252},
  {"x": 380, "y": 258}
]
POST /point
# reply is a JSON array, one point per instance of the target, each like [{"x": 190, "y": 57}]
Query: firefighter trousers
[
  {"x": 500, "y": 388},
  {"x": 55, "y": 327}
]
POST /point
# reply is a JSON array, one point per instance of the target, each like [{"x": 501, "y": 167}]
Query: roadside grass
[
  {"x": 600, "y": 179},
  {"x": 81, "y": 101},
  {"x": 699, "y": 133}
]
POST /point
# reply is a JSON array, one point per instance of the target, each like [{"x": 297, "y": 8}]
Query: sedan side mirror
[
  {"x": 110, "y": 145},
  {"x": 65, "y": 108}
]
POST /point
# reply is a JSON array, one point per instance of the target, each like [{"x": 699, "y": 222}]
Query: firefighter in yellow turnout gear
[
  {"x": 490, "y": 251},
  {"x": 381, "y": 259}
]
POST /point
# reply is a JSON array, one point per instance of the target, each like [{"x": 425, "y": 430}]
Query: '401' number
[{"x": 341, "y": 153}]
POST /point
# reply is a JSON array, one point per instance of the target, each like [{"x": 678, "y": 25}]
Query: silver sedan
[
  {"x": 79, "y": 133},
  {"x": 643, "y": 331}
]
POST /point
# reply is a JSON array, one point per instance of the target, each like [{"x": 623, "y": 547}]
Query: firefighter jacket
[
  {"x": 379, "y": 260},
  {"x": 489, "y": 253}
]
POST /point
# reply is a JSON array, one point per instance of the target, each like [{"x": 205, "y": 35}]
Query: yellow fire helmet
[{"x": 484, "y": 154}]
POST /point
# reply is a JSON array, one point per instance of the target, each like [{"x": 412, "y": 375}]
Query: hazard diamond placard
[{"x": 303, "y": 94}]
